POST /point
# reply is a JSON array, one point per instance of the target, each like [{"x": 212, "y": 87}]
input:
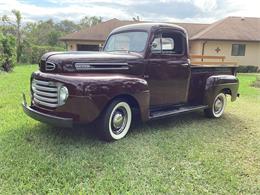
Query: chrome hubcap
[
  {"x": 119, "y": 120},
  {"x": 218, "y": 105}
]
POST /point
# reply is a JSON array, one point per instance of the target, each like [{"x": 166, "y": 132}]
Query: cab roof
[{"x": 147, "y": 27}]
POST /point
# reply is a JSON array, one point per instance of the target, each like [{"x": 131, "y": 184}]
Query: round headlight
[{"x": 64, "y": 94}]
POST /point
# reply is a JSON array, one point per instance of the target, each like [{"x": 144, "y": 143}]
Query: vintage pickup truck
[{"x": 143, "y": 70}]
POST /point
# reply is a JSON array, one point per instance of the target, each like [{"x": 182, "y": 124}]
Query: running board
[{"x": 176, "y": 111}]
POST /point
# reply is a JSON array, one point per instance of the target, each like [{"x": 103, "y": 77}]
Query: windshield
[{"x": 127, "y": 41}]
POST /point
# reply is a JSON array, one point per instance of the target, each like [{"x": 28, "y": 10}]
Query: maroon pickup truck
[{"x": 143, "y": 71}]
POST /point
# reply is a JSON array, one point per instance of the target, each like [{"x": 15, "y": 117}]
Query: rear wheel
[
  {"x": 116, "y": 120},
  {"x": 217, "y": 108}
]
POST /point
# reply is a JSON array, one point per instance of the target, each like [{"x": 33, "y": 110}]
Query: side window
[
  {"x": 168, "y": 43},
  {"x": 173, "y": 43}
]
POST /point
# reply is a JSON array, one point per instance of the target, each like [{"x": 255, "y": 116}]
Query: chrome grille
[
  {"x": 45, "y": 93},
  {"x": 49, "y": 66}
]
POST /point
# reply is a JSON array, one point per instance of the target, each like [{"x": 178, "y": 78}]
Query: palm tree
[{"x": 18, "y": 19}]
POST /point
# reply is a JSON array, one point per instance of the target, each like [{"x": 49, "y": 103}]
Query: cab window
[{"x": 169, "y": 43}]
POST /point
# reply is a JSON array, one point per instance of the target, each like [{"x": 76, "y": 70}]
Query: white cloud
[
  {"x": 123, "y": 2},
  {"x": 73, "y": 11},
  {"x": 245, "y": 8},
  {"x": 210, "y": 10},
  {"x": 205, "y": 5}
]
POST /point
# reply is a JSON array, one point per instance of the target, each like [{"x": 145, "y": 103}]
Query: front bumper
[{"x": 46, "y": 118}]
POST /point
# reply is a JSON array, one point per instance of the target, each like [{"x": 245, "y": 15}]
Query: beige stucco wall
[
  {"x": 195, "y": 47},
  {"x": 252, "y": 53},
  {"x": 72, "y": 45}
]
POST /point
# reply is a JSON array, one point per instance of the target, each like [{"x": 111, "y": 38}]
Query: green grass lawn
[{"x": 188, "y": 154}]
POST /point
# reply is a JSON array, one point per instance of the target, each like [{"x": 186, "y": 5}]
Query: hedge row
[
  {"x": 33, "y": 53},
  {"x": 248, "y": 69}
]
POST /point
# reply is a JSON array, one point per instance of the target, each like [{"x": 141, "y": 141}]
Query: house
[
  {"x": 90, "y": 39},
  {"x": 236, "y": 38}
]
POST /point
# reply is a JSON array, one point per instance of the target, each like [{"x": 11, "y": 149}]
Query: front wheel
[
  {"x": 218, "y": 106},
  {"x": 116, "y": 120}
]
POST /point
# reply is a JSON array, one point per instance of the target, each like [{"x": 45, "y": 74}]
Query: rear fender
[{"x": 220, "y": 83}]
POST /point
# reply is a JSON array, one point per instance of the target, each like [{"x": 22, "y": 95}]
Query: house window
[{"x": 238, "y": 49}]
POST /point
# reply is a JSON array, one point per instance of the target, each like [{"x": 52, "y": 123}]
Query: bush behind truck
[{"x": 7, "y": 52}]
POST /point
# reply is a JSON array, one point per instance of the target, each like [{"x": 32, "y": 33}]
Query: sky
[{"x": 199, "y": 11}]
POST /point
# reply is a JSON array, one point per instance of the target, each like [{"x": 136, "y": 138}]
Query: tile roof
[
  {"x": 231, "y": 28},
  {"x": 98, "y": 32}
]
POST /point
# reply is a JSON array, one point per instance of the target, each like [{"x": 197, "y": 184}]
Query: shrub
[
  {"x": 256, "y": 83},
  {"x": 38, "y": 51},
  {"x": 248, "y": 69},
  {"x": 7, "y": 52},
  {"x": 32, "y": 54}
]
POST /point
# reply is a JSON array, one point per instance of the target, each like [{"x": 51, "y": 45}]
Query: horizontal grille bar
[
  {"x": 45, "y": 83},
  {"x": 48, "y": 89},
  {"x": 45, "y": 99},
  {"x": 45, "y": 103},
  {"x": 45, "y": 93}
]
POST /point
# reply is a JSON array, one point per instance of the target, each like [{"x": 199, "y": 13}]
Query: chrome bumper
[{"x": 46, "y": 118}]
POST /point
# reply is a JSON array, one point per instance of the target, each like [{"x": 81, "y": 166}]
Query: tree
[
  {"x": 89, "y": 21},
  {"x": 7, "y": 26},
  {"x": 53, "y": 37},
  {"x": 40, "y": 35},
  {"x": 67, "y": 26},
  {"x": 7, "y": 52},
  {"x": 136, "y": 19},
  {"x": 18, "y": 19}
]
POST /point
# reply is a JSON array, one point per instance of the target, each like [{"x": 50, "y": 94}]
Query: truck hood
[{"x": 55, "y": 62}]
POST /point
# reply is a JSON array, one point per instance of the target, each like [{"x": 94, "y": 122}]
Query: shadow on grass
[
  {"x": 89, "y": 133},
  {"x": 62, "y": 143}
]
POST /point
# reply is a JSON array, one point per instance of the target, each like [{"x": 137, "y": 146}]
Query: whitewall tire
[
  {"x": 116, "y": 120},
  {"x": 217, "y": 108}
]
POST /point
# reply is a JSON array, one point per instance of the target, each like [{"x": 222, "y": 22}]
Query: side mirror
[
  {"x": 101, "y": 47},
  {"x": 154, "y": 45}
]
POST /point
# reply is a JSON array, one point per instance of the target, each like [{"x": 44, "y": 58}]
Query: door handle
[
  {"x": 176, "y": 63},
  {"x": 185, "y": 64}
]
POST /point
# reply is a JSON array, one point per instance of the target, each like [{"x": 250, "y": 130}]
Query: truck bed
[
  {"x": 213, "y": 66},
  {"x": 214, "y": 69},
  {"x": 199, "y": 76}
]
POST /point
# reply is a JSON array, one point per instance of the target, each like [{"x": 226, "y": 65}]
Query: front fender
[
  {"x": 217, "y": 83},
  {"x": 90, "y": 93},
  {"x": 102, "y": 90}
]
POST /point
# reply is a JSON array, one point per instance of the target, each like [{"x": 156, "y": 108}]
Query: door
[{"x": 168, "y": 68}]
